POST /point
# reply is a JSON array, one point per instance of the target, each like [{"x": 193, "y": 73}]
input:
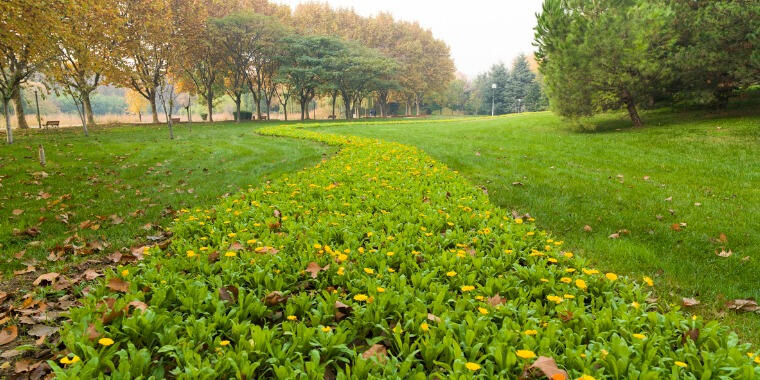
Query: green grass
[
  {"x": 134, "y": 172},
  {"x": 378, "y": 263},
  {"x": 572, "y": 178}
]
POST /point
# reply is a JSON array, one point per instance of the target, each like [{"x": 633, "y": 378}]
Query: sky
[{"x": 479, "y": 32}]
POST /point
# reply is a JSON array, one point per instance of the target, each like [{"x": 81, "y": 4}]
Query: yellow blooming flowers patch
[{"x": 379, "y": 262}]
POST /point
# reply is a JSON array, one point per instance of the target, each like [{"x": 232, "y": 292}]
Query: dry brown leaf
[
  {"x": 228, "y": 293},
  {"x": 587, "y": 228},
  {"x": 46, "y": 279},
  {"x": 115, "y": 219},
  {"x": 138, "y": 305},
  {"x": 118, "y": 285},
  {"x": 342, "y": 311},
  {"x": 723, "y": 238},
  {"x": 91, "y": 274},
  {"x": 92, "y": 332},
  {"x": 17, "y": 212},
  {"x": 675, "y": 227},
  {"x": 42, "y": 331},
  {"x": 29, "y": 269},
  {"x": 692, "y": 334},
  {"x": 743, "y": 305},
  {"x": 8, "y": 334},
  {"x": 546, "y": 366},
  {"x": 433, "y": 318},
  {"x": 236, "y": 246},
  {"x": 377, "y": 351},
  {"x": 614, "y": 236},
  {"x": 274, "y": 298},
  {"x": 496, "y": 300},
  {"x": 314, "y": 269},
  {"x": 689, "y": 302},
  {"x": 724, "y": 253}
]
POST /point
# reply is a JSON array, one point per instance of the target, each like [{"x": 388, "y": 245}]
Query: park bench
[
  {"x": 175, "y": 120},
  {"x": 331, "y": 117},
  {"x": 263, "y": 118},
  {"x": 52, "y": 123}
]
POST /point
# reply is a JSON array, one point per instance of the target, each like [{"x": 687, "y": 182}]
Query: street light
[
  {"x": 519, "y": 105},
  {"x": 493, "y": 96}
]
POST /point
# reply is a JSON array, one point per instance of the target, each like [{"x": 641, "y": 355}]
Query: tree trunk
[
  {"x": 285, "y": 110},
  {"x": 153, "y": 109},
  {"x": 632, "y": 112},
  {"x": 210, "y": 105},
  {"x": 407, "y": 111},
  {"x": 8, "y": 129},
  {"x": 237, "y": 108},
  {"x": 139, "y": 116},
  {"x": 20, "y": 116},
  {"x": 303, "y": 105},
  {"x": 417, "y": 106},
  {"x": 88, "y": 108},
  {"x": 347, "y": 104},
  {"x": 171, "y": 129}
]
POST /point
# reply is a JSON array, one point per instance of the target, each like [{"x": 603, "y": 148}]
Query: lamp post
[
  {"x": 493, "y": 96},
  {"x": 519, "y": 105}
]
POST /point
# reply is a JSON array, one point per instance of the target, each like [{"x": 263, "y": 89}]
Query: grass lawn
[
  {"x": 699, "y": 169},
  {"x": 112, "y": 190}
]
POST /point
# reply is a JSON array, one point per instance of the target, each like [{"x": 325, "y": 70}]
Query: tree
[
  {"x": 168, "y": 96},
  {"x": 603, "y": 54},
  {"x": 136, "y": 103},
  {"x": 713, "y": 57},
  {"x": 82, "y": 48},
  {"x": 355, "y": 72},
  {"x": 146, "y": 39},
  {"x": 25, "y": 47},
  {"x": 265, "y": 61},
  {"x": 305, "y": 64}
]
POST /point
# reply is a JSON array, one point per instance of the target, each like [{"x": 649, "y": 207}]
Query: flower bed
[{"x": 380, "y": 262}]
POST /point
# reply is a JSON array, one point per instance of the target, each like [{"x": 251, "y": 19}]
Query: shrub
[
  {"x": 245, "y": 115},
  {"x": 379, "y": 262}
]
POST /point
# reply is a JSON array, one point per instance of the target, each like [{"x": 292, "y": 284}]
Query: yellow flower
[
  {"x": 231, "y": 234},
  {"x": 360, "y": 297},
  {"x": 190, "y": 253},
  {"x": 483, "y": 310},
  {"x": 224, "y": 343},
  {"x": 467, "y": 288},
  {"x": 341, "y": 271},
  {"x": 635, "y": 305},
  {"x": 648, "y": 280},
  {"x": 124, "y": 273},
  {"x": 424, "y": 326},
  {"x": 369, "y": 271},
  {"x": 472, "y": 366},
  {"x": 451, "y": 273},
  {"x": 568, "y": 296},
  {"x": 680, "y": 364},
  {"x": 639, "y": 336},
  {"x": 530, "y": 332},
  {"x": 326, "y": 329},
  {"x": 251, "y": 241},
  {"x": 526, "y": 354},
  {"x": 391, "y": 270},
  {"x": 566, "y": 280},
  {"x": 105, "y": 341},
  {"x": 361, "y": 249},
  {"x": 581, "y": 284},
  {"x": 342, "y": 257},
  {"x": 586, "y": 377},
  {"x": 292, "y": 318},
  {"x": 554, "y": 299},
  {"x": 569, "y": 255},
  {"x": 380, "y": 289},
  {"x": 518, "y": 221},
  {"x": 230, "y": 254},
  {"x": 757, "y": 359},
  {"x": 65, "y": 360},
  {"x": 390, "y": 254},
  {"x": 317, "y": 246},
  {"x": 611, "y": 276},
  {"x": 590, "y": 271}
]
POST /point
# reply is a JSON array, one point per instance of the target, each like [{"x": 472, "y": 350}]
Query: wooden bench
[
  {"x": 175, "y": 120},
  {"x": 331, "y": 117},
  {"x": 263, "y": 118},
  {"x": 52, "y": 123}
]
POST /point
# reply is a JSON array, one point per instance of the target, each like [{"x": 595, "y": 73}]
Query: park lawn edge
[{"x": 379, "y": 262}]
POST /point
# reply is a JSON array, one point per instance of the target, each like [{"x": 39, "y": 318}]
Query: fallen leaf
[
  {"x": 587, "y": 228},
  {"x": 8, "y": 334},
  {"x": 42, "y": 330},
  {"x": 115, "y": 219},
  {"x": 342, "y": 311},
  {"x": 496, "y": 300},
  {"x": 675, "y": 227},
  {"x": 228, "y": 293},
  {"x": 546, "y": 366},
  {"x": 688, "y": 302},
  {"x": 274, "y": 298},
  {"x": 518, "y": 184},
  {"x": 614, "y": 236},
  {"x": 91, "y": 274},
  {"x": 724, "y": 253},
  {"x": 118, "y": 285},
  {"x": 433, "y": 318},
  {"x": 45, "y": 279},
  {"x": 92, "y": 332},
  {"x": 668, "y": 199},
  {"x": 743, "y": 305},
  {"x": 29, "y": 269},
  {"x": 646, "y": 178},
  {"x": 314, "y": 269},
  {"x": 723, "y": 238},
  {"x": 236, "y": 246},
  {"x": 138, "y": 305},
  {"x": 378, "y": 351},
  {"x": 17, "y": 212},
  {"x": 692, "y": 334},
  {"x": 10, "y": 354}
]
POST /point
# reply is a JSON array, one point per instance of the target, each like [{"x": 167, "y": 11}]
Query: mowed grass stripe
[{"x": 380, "y": 262}]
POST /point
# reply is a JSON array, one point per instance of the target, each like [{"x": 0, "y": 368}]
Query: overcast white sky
[{"x": 479, "y": 32}]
